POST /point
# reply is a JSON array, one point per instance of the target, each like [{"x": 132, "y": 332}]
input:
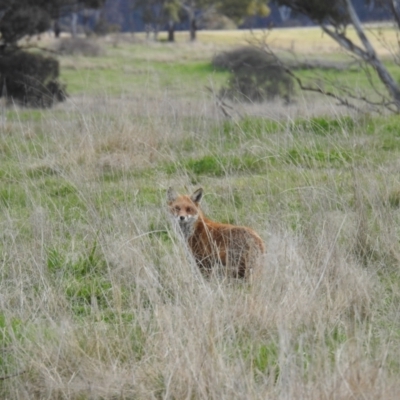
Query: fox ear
[
  {"x": 197, "y": 195},
  {"x": 171, "y": 195}
]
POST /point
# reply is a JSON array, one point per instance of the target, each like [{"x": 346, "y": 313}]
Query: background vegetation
[{"x": 97, "y": 297}]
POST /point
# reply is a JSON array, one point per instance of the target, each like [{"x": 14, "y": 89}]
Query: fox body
[{"x": 237, "y": 248}]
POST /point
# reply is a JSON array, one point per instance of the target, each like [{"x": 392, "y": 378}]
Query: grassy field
[{"x": 98, "y": 299}]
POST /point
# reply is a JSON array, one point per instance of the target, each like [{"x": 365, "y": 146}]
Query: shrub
[
  {"x": 79, "y": 46},
  {"x": 103, "y": 27},
  {"x": 255, "y": 75},
  {"x": 213, "y": 20},
  {"x": 30, "y": 79}
]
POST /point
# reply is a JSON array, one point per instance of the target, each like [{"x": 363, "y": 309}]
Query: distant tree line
[
  {"x": 31, "y": 78},
  {"x": 156, "y": 15},
  {"x": 137, "y": 15}
]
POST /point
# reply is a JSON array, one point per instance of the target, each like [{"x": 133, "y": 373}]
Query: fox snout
[{"x": 184, "y": 218}]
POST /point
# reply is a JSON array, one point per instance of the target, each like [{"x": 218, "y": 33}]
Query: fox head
[{"x": 184, "y": 209}]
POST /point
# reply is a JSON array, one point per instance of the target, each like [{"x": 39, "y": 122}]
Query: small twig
[
  {"x": 3, "y": 378},
  {"x": 221, "y": 104}
]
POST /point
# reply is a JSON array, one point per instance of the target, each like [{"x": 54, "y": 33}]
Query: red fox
[{"x": 237, "y": 248}]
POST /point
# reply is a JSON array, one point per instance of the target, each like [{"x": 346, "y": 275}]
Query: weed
[
  {"x": 324, "y": 125},
  {"x": 266, "y": 358},
  {"x": 319, "y": 157},
  {"x": 84, "y": 279},
  {"x": 12, "y": 195},
  {"x": 220, "y": 166}
]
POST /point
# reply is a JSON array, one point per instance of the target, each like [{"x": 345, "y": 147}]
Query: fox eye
[
  {"x": 177, "y": 208},
  {"x": 189, "y": 210}
]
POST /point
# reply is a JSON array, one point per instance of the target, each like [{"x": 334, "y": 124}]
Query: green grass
[
  {"x": 137, "y": 70},
  {"x": 83, "y": 280}
]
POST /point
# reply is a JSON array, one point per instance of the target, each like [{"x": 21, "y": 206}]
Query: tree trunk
[
  {"x": 395, "y": 11},
  {"x": 74, "y": 23},
  {"x": 156, "y": 31},
  {"x": 56, "y": 28},
  {"x": 372, "y": 58},
  {"x": 193, "y": 28},
  {"x": 86, "y": 21},
  {"x": 171, "y": 31},
  {"x": 147, "y": 29}
]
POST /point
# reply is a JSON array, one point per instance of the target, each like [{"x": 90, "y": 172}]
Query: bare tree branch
[
  {"x": 221, "y": 104},
  {"x": 334, "y": 17}
]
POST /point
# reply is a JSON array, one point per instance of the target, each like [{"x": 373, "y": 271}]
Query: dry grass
[
  {"x": 304, "y": 40},
  {"x": 99, "y": 301}
]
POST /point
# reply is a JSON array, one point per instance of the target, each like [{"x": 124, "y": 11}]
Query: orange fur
[{"x": 237, "y": 248}]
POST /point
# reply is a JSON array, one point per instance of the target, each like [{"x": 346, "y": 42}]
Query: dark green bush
[
  {"x": 30, "y": 79},
  {"x": 255, "y": 75}
]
